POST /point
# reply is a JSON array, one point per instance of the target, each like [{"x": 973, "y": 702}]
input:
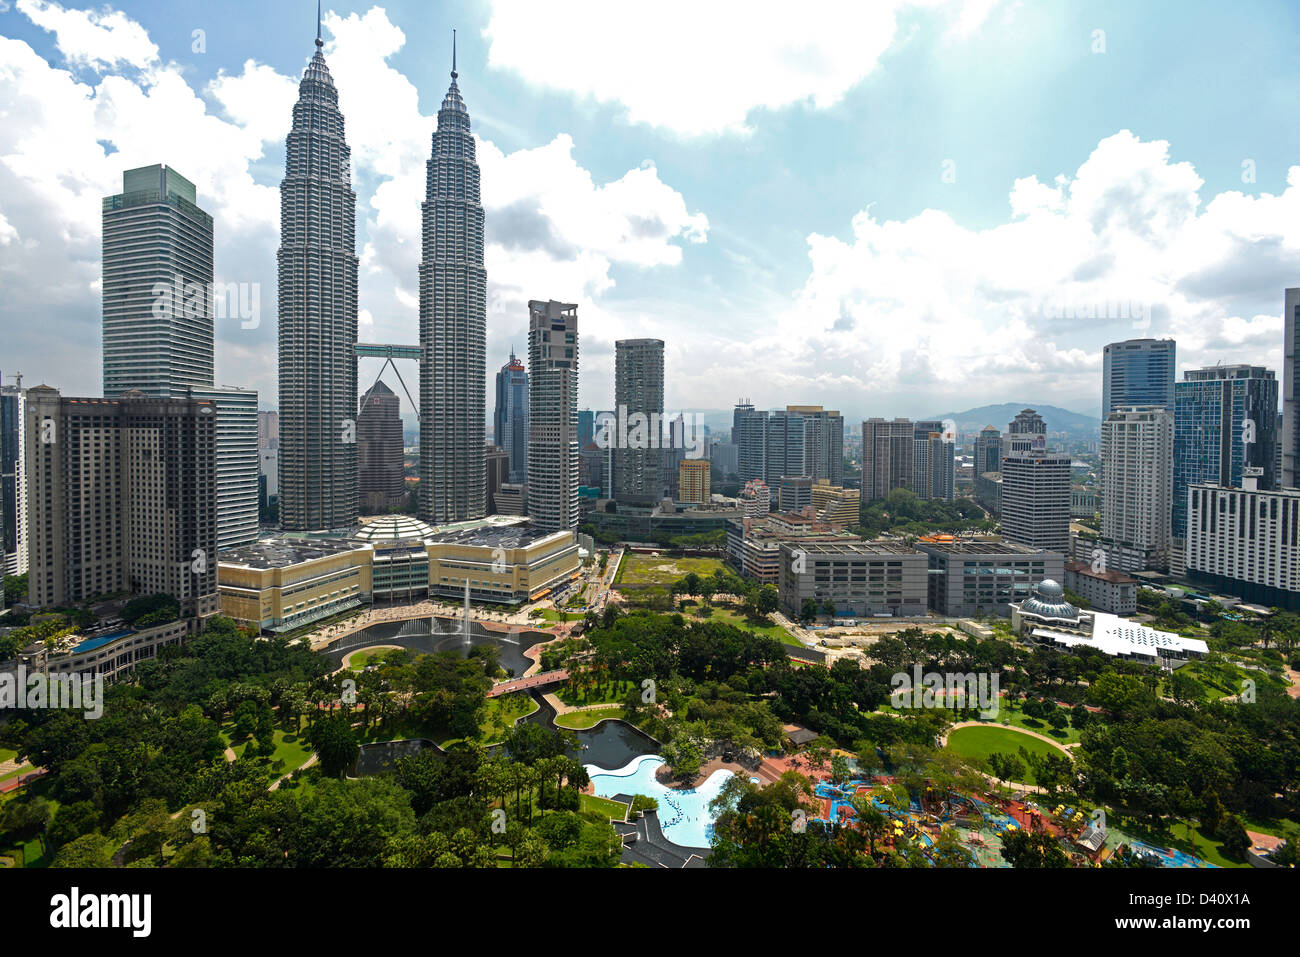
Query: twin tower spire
[{"x": 317, "y": 290}]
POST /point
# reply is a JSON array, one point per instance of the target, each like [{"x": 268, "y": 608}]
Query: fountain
[{"x": 465, "y": 632}]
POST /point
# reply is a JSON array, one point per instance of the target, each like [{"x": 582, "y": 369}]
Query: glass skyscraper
[
  {"x": 453, "y": 323},
  {"x": 317, "y": 271},
  {"x": 1225, "y": 419},
  {"x": 510, "y": 417},
  {"x": 157, "y": 285},
  {"x": 1137, "y": 372}
]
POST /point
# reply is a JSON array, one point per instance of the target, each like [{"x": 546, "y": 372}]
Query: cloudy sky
[{"x": 889, "y": 208}]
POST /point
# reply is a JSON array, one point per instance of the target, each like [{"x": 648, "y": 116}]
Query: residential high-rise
[
  {"x": 988, "y": 451},
  {"x": 1225, "y": 420},
  {"x": 159, "y": 309},
  {"x": 157, "y": 286},
  {"x": 510, "y": 417},
  {"x": 639, "y": 391},
  {"x": 381, "y": 474},
  {"x": 1137, "y": 372},
  {"x": 888, "y": 448},
  {"x": 453, "y": 322},
  {"x": 123, "y": 498},
  {"x": 1243, "y": 541},
  {"x": 693, "y": 480},
  {"x": 552, "y": 499},
  {"x": 1290, "y": 477},
  {"x": 317, "y": 295},
  {"x": 13, "y": 491},
  {"x": 1034, "y": 501},
  {"x": 1137, "y": 451},
  {"x": 933, "y": 461}
]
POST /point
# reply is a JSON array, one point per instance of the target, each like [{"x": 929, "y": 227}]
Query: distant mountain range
[{"x": 1056, "y": 418}]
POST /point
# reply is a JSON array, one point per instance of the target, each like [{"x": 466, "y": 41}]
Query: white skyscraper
[{"x": 1137, "y": 453}]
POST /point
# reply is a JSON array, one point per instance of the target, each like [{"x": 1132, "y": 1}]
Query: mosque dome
[{"x": 1047, "y": 600}]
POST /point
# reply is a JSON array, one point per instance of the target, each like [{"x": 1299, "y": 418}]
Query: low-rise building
[
  {"x": 282, "y": 584},
  {"x": 1109, "y": 591},
  {"x": 754, "y": 543},
  {"x": 834, "y": 503},
  {"x": 985, "y": 578},
  {"x": 1046, "y": 617},
  {"x": 857, "y": 578}
]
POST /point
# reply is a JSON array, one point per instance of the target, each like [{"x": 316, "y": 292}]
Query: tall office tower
[
  {"x": 942, "y": 459},
  {"x": 988, "y": 451},
  {"x": 1290, "y": 477},
  {"x": 317, "y": 288},
  {"x": 693, "y": 480},
  {"x": 1225, "y": 420},
  {"x": 553, "y": 415},
  {"x": 1137, "y": 372},
  {"x": 639, "y": 389},
  {"x": 510, "y": 417},
  {"x": 790, "y": 438},
  {"x": 741, "y": 409},
  {"x": 123, "y": 498},
  {"x": 1025, "y": 433},
  {"x": 157, "y": 285},
  {"x": 238, "y": 463},
  {"x": 586, "y": 427},
  {"x": 825, "y": 442},
  {"x": 749, "y": 433},
  {"x": 381, "y": 475},
  {"x": 453, "y": 323},
  {"x": 1035, "y": 498},
  {"x": 158, "y": 326},
  {"x": 1137, "y": 453},
  {"x": 496, "y": 466},
  {"x": 887, "y": 453},
  {"x": 13, "y": 508}
]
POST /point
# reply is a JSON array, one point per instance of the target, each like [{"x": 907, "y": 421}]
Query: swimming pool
[
  {"x": 91, "y": 644},
  {"x": 683, "y": 814}
]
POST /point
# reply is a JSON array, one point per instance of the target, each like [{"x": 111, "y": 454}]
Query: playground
[{"x": 978, "y": 823}]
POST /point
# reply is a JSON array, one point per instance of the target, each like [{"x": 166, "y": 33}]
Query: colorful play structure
[{"x": 980, "y": 824}]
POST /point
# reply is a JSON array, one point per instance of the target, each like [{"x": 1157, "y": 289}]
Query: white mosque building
[{"x": 1046, "y": 617}]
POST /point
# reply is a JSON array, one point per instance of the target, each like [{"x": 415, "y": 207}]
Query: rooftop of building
[
  {"x": 493, "y": 531},
  {"x": 283, "y": 552},
  {"x": 854, "y": 548},
  {"x": 1113, "y": 577},
  {"x": 980, "y": 548},
  {"x": 392, "y": 528}
]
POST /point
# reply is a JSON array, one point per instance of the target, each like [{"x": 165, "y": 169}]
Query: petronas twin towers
[{"x": 317, "y": 271}]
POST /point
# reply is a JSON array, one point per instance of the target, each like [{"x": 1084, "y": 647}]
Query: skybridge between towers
[{"x": 388, "y": 352}]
